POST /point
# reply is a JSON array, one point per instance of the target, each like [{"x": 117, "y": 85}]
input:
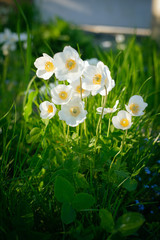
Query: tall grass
[{"x": 43, "y": 162}]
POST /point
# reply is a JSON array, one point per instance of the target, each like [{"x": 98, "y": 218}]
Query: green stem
[
  {"x": 26, "y": 94},
  {"x": 5, "y": 68},
  {"x": 109, "y": 123},
  {"x": 67, "y": 133},
  {"x": 98, "y": 131},
  {"x": 121, "y": 148}
]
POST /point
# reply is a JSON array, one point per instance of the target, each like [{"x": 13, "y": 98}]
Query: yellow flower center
[
  {"x": 70, "y": 64},
  {"x": 63, "y": 95},
  {"x": 97, "y": 79},
  {"x": 50, "y": 108},
  {"x": 49, "y": 66},
  {"x": 134, "y": 108},
  {"x": 78, "y": 89},
  {"x": 75, "y": 111},
  {"x": 124, "y": 122}
]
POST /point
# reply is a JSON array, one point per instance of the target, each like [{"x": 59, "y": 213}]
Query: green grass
[{"x": 59, "y": 182}]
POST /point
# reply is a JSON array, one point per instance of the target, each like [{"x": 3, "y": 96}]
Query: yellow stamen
[
  {"x": 134, "y": 108},
  {"x": 124, "y": 122},
  {"x": 75, "y": 111},
  {"x": 70, "y": 64},
  {"x": 97, "y": 79},
  {"x": 63, "y": 95},
  {"x": 78, "y": 89},
  {"x": 50, "y": 108},
  {"x": 49, "y": 66}
]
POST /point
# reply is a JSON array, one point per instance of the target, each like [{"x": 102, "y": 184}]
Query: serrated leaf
[
  {"x": 83, "y": 201},
  {"x": 63, "y": 190},
  {"x": 130, "y": 184},
  {"x": 107, "y": 221},
  {"x": 68, "y": 214},
  {"x": 129, "y": 223}
]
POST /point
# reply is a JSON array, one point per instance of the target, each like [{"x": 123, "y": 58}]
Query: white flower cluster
[
  {"x": 83, "y": 78},
  {"x": 135, "y": 107},
  {"x": 122, "y": 121},
  {"x": 9, "y": 39}
]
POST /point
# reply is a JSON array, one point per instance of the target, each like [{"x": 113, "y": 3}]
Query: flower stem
[
  {"x": 5, "y": 67},
  {"x": 121, "y": 148},
  {"x": 98, "y": 131},
  {"x": 109, "y": 123}
]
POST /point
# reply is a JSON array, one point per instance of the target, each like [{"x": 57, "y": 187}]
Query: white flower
[
  {"x": 136, "y": 105},
  {"x": 48, "y": 110},
  {"x": 92, "y": 61},
  {"x": 93, "y": 77},
  {"x": 108, "y": 110},
  {"x": 61, "y": 94},
  {"x": 45, "y": 66},
  {"x": 96, "y": 77},
  {"x": 122, "y": 120},
  {"x": 77, "y": 89},
  {"x": 23, "y": 37},
  {"x": 73, "y": 112},
  {"x": 109, "y": 82},
  {"x": 69, "y": 65}
]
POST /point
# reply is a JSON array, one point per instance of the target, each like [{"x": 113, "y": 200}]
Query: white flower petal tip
[
  {"x": 68, "y": 64},
  {"x": 136, "y": 105},
  {"x": 48, "y": 110},
  {"x": 73, "y": 112},
  {"x": 45, "y": 66},
  {"x": 61, "y": 94},
  {"x": 122, "y": 120},
  {"x": 77, "y": 89},
  {"x": 108, "y": 110},
  {"x": 92, "y": 61},
  {"x": 97, "y": 79}
]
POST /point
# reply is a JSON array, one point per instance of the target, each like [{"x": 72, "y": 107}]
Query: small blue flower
[
  {"x": 136, "y": 201},
  {"x": 141, "y": 207},
  {"x": 158, "y": 161},
  {"x": 147, "y": 171},
  {"x": 151, "y": 212},
  {"x": 146, "y": 139},
  {"x": 146, "y": 186},
  {"x": 154, "y": 185}
]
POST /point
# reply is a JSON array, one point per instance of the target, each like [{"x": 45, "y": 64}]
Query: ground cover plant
[{"x": 64, "y": 177}]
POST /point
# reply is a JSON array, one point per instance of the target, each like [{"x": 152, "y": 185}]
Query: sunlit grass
[{"x": 103, "y": 169}]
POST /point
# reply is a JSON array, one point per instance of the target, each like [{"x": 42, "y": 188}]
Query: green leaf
[
  {"x": 107, "y": 221},
  {"x": 83, "y": 201},
  {"x": 63, "y": 190},
  {"x": 72, "y": 164},
  {"x": 34, "y": 135},
  {"x": 80, "y": 181},
  {"x": 130, "y": 184},
  {"x": 129, "y": 223},
  {"x": 28, "y": 107},
  {"x": 68, "y": 214}
]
